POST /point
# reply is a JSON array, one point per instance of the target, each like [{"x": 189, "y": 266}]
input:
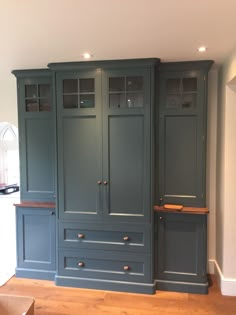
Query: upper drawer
[{"x": 123, "y": 237}]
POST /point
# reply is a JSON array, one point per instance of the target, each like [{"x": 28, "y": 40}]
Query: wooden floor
[{"x": 53, "y": 300}]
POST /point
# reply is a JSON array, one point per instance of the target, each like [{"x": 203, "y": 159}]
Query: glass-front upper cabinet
[
  {"x": 126, "y": 91},
  {"x": 180, "y": 93},
  {"x": 37, "y": 97},
  {"x": 78, "y": 93}
]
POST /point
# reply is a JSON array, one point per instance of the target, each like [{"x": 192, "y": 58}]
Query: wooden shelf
[
  {"x": 191, "y": 210},
  {"x": 31, "y": 204}
]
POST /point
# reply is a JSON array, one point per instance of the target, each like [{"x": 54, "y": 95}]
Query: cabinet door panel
[
  {"x": 36, "y": 239},
  {"x": 79, "y": 144},
  {"x": 126, "y": 165},
  {"x": 80, "y": 166},
  {"x": 180, "y": 157},
  {"x": 39, "y": 154},
  {"x": 181, "y": 247},
  {"x": 127, "y": 144},
  {"x": 36, "y": 135}
]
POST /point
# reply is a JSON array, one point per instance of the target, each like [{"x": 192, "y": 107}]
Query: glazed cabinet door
[
  {"x": 182, "y": 134},
  {"x": 126, "y": 144},
  {"x": 36, "y": 135},
  {"x": 79, "y": 144}
]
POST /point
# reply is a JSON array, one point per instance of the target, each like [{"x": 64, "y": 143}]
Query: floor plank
[{"x": 53, "y": 300}]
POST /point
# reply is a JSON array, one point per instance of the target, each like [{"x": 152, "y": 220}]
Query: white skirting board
[{"x": 227, "y": 285}]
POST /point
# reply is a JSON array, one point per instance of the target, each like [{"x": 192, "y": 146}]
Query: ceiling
[{"x": 34, "y": 33}]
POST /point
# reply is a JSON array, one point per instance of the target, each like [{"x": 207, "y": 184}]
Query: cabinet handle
[
  {"x": 126, "y": 268},
  {"x": 81, "y": 235},
  {"x": 161, "y": 218},
  {"x": 99, "y": 182},
  {"x": 126, "y": 238},
  {"x": 81, "y": 264},
  {"x": 52, "y": 213},
  {"x": 105, "y": 183}
]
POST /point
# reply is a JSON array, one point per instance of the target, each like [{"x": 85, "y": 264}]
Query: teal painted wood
[
  {"x": 125, "y": 237},
  {"x": 103, "y": 170},
  {"x": 36, "y": 135},
  {"x": 79, "y": 153},
  {"x": 181, "y": 135},
  {"x": 181, "y": 246},
  {"x": 36, "y": 242},
  {"x": 111, "y": 285},
  {"x": 104, "y": 64},
  {"x": 127, "y": 151},
  {"x": 106, "y": 265}
]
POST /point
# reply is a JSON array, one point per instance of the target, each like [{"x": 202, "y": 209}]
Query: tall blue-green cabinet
[
  {"x": 181, "y": 236},
  {"x": 181, "y": 148},
  {"x": 105, "y": 133},
  {"x": 36, "y": 214}
]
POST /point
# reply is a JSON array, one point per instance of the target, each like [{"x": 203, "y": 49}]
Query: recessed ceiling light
[
  {"x": 87, "y": 55},
  {"x": 202, "y": 49}
]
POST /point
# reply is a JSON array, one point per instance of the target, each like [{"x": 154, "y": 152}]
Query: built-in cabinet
[
  {"x": 104, "y": 174},
  {"x": 181, "y": 156},
  {"x": 101, "y": 144},
  {"x": 36, "y": 140}
]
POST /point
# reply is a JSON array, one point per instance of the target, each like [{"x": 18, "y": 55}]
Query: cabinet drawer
[
  {"x": 108, "y": 237},
  {"x": 106, "y": 265}
]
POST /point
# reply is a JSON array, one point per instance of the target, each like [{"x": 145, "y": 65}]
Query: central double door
[{"x": 104, "y": 144}]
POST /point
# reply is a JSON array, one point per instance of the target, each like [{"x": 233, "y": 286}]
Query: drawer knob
[
  {"x": 81, "y": 235},
  {"x": 81, "y": 264},
  {"x": 126, "y": 238},
  {"x": 126, "y": 268}
]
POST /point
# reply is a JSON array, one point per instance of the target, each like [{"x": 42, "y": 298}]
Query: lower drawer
[
  {"x": 123, "y": 237},
  {"x": 105, "y": 265}
]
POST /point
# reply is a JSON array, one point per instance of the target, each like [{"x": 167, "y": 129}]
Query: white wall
[
  {"x": 8, "y": 98},
  {"x": 226, "y": 175}
]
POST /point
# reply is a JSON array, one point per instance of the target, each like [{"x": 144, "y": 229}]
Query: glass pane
[
  {"x": 135, "y": 100},
  {"x": 173, "y": 101},
  {"x": 188, "y": 101},
  {"x": 70, "y": 86},
  {"x": 44, "y": 90},
  {"x": 44, "y": 105},
  {"x": 117, "y": 100},
  {"x": 116, "y": 84},
  {"x": 189, "y": 84},
  {"x": 134, "y": 84},
  {"x": 70, "y": 101},
  {"x": 86, "y": 85},
  {"x": 173, "y": 86},
  {"x": 87, "y": 101},
  {"x": 31, "y": 90},
  {"x": 31, "y": 106}
]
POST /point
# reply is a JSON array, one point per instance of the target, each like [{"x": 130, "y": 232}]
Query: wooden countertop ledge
[
  {"x": 32, "y": 204},
  {"x": 191, "y": 210}
]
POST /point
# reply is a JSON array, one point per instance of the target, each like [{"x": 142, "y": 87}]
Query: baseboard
[
  {"x": 227, "y": 285},
  {"x": 133, "y": 287},
  {"x": 179, "y": 286}
]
